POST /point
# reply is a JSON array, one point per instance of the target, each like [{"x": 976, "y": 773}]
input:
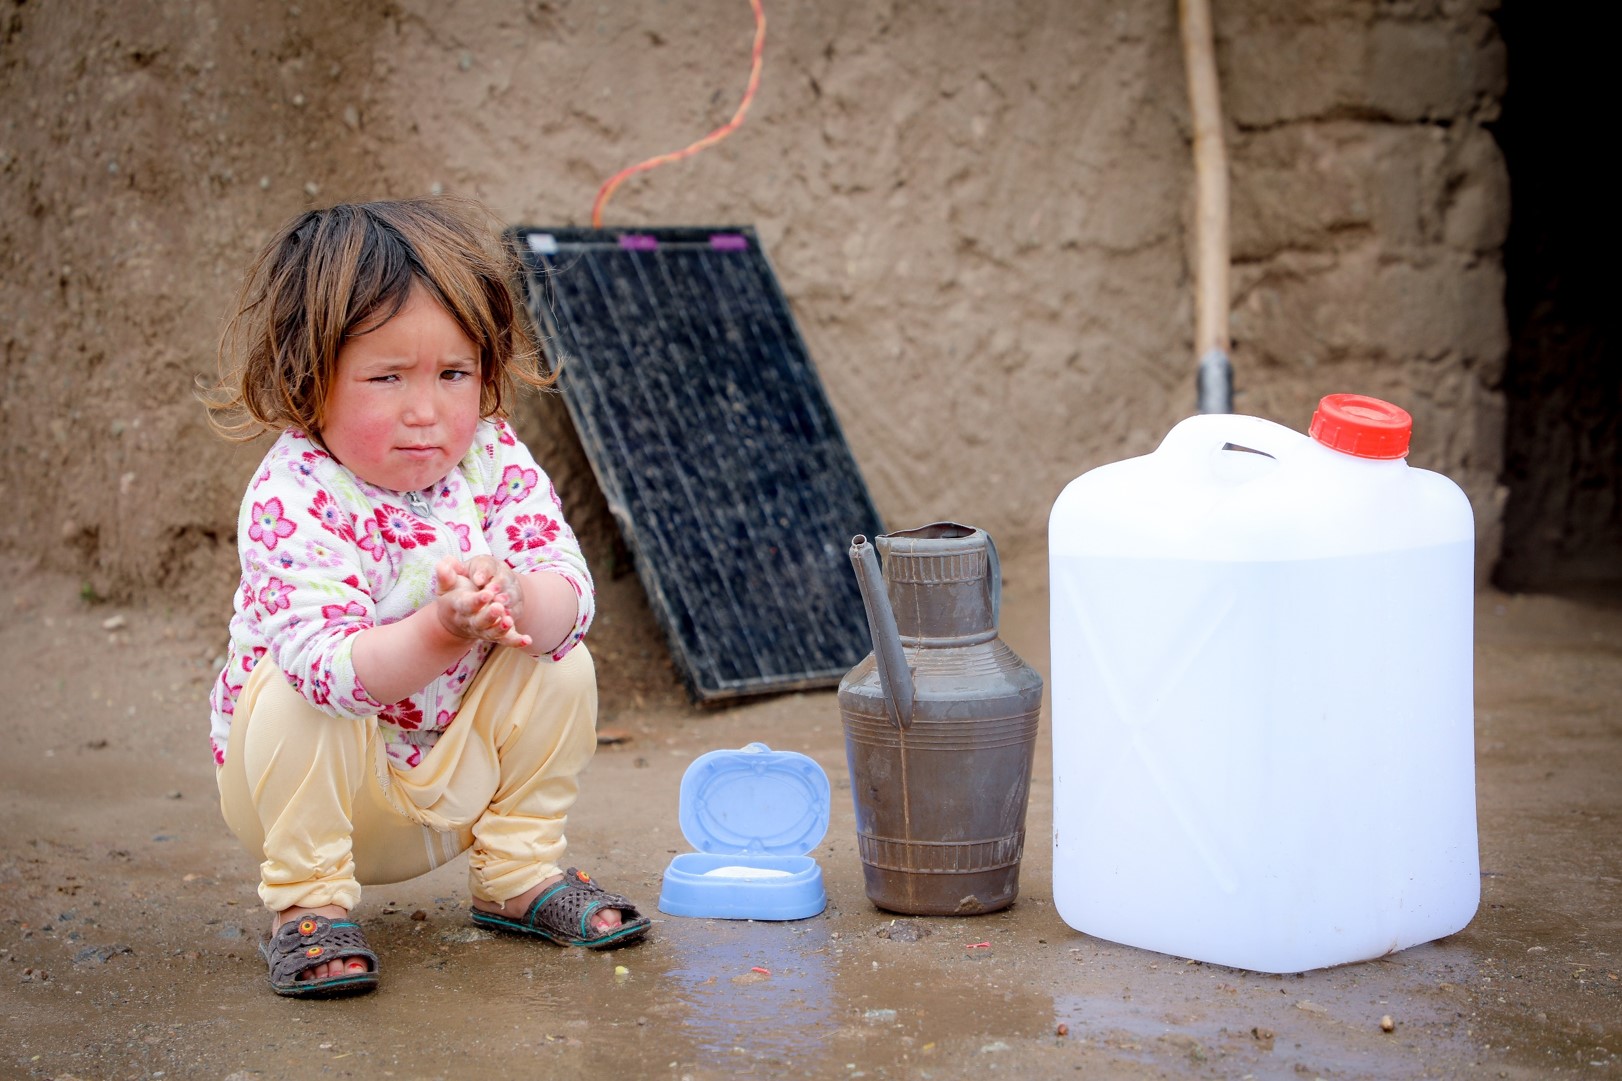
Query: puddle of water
[{"x": 756, "y": 991}]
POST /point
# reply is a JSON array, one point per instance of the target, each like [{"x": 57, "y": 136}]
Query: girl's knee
[
  {"x": 551, "y": 687},
  {"x": 576, "y": 673},
  {"x": 558, "y": 701}
]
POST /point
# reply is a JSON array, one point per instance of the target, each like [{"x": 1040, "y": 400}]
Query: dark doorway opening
[{"x": 1563, "y": 382}]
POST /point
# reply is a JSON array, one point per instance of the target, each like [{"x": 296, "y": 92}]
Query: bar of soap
[{"x": 746, "y": 872}]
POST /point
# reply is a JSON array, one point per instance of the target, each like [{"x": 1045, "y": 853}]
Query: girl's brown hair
[{"x": 332, "y": 274}]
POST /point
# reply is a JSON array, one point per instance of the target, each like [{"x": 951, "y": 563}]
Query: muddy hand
[
  {"x": 488, "y": 572},
  {"x": 468, "y": 610}
]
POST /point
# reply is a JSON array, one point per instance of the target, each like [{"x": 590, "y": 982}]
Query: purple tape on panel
[
  {"x": 639, "y": 242},
  {"x": 729, "y": 242}
]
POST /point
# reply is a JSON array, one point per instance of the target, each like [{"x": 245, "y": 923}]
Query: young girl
[{"x": 405, "y": 679}]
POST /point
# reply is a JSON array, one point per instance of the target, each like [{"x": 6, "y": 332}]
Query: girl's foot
[
  {"x": 345, "y": 966},
  {"x": 602, "y": 921}
]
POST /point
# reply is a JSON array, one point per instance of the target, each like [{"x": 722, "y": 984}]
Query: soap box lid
[{"x": 754, "y": 801}]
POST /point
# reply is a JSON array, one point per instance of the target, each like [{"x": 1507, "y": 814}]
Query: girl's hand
[
  {"x": 477, "y": 604},
  {"x": 488, "y": 571}
]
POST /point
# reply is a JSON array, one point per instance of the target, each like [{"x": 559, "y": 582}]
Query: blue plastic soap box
[{"x": 753, "y": 814}]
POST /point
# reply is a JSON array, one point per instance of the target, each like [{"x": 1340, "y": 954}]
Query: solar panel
[{"x": 715, "y": 447}]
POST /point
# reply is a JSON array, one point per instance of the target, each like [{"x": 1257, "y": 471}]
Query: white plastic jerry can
[{"x": 1263, "y": 750}]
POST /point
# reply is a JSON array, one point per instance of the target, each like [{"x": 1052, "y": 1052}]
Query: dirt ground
[{"x": 127, "y": 942}]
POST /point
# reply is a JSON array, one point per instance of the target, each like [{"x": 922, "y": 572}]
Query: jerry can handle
[{"x": 1206, "y": 432}]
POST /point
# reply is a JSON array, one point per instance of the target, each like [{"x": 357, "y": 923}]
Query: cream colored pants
[{"x": 315, "y": 797}]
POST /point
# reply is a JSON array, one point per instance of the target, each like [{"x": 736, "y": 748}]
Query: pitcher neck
[
  {"x": 942, "y": 592},
  {"x": 940, "y": 615}
]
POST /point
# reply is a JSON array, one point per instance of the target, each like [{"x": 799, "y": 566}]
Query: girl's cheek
[{"x": 373, "y": 427}]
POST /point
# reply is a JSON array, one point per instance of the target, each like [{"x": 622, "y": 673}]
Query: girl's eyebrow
[
  {"x": 400, "y": 364},
  {"x": 381, "y": 366}
]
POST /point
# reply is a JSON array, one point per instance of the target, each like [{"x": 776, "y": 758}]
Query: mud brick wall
[
  {"x": 979, "y": 212},
  {"x": 1371, "y": 206}
]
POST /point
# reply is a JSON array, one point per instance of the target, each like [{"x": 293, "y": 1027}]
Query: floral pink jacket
[{"x": 326, "y": 555}]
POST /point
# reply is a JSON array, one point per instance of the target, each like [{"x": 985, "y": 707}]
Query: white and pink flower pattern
[
  {"x": 325, "y": 510},
  {"x": 273, "y": 596},
  {"x": 326, "y": 556},
  {"x": 268, "y": 525},
  {"x": 516, "y": 483},
  {"x": 401, "y": 527},
  {"x": 531, "y": 531}
]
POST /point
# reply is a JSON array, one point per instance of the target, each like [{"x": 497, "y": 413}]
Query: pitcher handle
[{"x": 994, "y": 563}]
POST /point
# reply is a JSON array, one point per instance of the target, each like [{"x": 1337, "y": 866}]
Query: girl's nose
[{"x": 420, "y": 408}]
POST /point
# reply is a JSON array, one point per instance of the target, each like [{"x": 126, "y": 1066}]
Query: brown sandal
[
  {"x": 563, "y": 914},
  {"x": 310, "y": 940}
]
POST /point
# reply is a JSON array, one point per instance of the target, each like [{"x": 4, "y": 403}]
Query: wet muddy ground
[{"x": 128, "y": 925}]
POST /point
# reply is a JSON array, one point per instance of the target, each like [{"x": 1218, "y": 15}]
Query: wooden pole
[{"x": 1211, "y": 295}]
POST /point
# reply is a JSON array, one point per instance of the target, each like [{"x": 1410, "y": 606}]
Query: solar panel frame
[{"x": 715, "y": 445}]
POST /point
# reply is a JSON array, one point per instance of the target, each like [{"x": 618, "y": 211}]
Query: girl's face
[{"x": 405, "y": 401}]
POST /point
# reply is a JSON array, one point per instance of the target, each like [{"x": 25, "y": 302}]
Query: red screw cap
[{"x": 1363, "y": 426}]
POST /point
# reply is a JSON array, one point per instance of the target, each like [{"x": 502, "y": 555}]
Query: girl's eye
[
  {"x": 457, "y": 375},
  {"x": 384, "y": 379}
]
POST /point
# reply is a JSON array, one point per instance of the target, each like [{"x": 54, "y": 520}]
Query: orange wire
[{"x": 604, "y": 192}]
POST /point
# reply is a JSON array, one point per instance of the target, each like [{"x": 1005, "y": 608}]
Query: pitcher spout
[{"x": 894, "y": 675}]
